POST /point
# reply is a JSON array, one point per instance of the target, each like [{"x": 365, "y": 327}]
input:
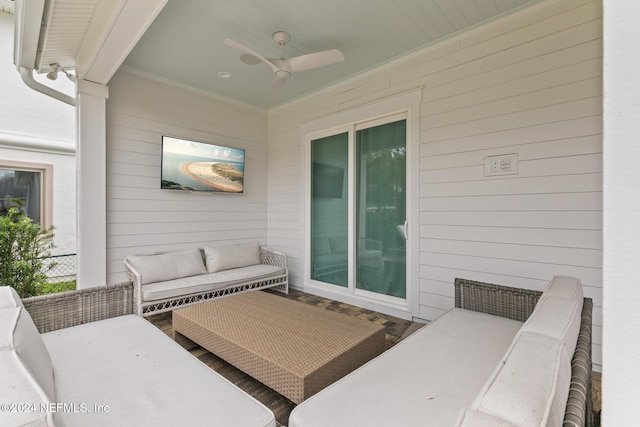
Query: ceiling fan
[{"x": 283, "y": 67}]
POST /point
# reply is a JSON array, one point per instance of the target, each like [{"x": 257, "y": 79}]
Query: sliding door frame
[{"x": 404, "y": 105}]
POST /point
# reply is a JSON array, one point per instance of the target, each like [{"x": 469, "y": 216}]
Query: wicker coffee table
[{"x": 294, "y": 348}]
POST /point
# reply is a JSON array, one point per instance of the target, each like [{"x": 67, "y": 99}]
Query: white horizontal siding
[
  {"x": 529, "y": 84},
  {"x": 142, "y": 218}
]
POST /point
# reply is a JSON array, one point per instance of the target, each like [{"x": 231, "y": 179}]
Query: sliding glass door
[
  {"x": 330, "y": 210},
  {"x": 358, "y": 208},
  {"x": 381, "y": 209}
]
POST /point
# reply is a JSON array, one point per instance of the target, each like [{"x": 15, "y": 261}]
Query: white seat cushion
[
  {"x": 436, "y": 372},
  {"x": 207, "y": 282},
  {"x": 145, "y": 379},
  {"x": 471, "y": 418},
  {"x": 9, "y": 297}
]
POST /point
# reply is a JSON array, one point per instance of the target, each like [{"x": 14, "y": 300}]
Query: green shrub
[
  {"x": 23, "y": 244},
  {"x": 53, "y": 288}
]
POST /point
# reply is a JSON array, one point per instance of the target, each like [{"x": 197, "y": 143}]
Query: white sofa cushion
[
  {"x": 17, "y": 387},
  {"x": 26, "y": 372},
  {"x": 463, "y": 348},
  {"x": 232, "y": 256},
  {"x": 557, "y": 318},
  {"x": 207, "y": 282},
  {"x": 18, "y": 334},
  {"x": 471, "y": 418},
  {"x": 9, "y": 297},
  {"x": 531, "y": 386},
  {"x": 558, "y": 313},
  {"x": 144, "y": 378},
  {"x": 167, "y": 266},
  {"x": 564, "y": 287}
]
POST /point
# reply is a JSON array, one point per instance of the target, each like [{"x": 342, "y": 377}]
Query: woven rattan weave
[
  {"x": 66, "y": 309},
  {"x": 293, "y": 348}
]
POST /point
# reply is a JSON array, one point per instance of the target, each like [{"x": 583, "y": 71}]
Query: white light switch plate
[{"x": 504, "y": 164}]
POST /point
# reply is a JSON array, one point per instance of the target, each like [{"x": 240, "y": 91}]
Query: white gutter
[
  {"x": 28, "y": 25},
  {"x": 27, "y": 78}
]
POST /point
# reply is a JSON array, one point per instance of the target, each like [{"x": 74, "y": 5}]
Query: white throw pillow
[
  {"x": 234, "y": 256},
  {"x": 168, "y": 266}
]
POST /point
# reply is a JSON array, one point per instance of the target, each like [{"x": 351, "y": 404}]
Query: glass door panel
[
  {"x": 330, "y": 210},
  {"x": 381, "y": 209}
]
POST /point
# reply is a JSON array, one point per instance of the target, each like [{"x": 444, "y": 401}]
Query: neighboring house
[
  {"x": 37, "y": 148},
  {"x": 530, "y": 85}
]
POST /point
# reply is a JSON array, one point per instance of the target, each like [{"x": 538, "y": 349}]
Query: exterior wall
[
  {"x": 142, "y": 218},
  {"x": 39, "y": 129},
  {"x": 531, "y": 84}
]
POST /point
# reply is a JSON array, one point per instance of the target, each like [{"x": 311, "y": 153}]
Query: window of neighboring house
[{"x": 28, "y": 185}]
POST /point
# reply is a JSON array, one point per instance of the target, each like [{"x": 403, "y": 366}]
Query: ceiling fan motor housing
[{"x": 281, "y": 37}]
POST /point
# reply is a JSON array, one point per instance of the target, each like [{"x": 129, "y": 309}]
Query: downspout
[{"x": 27, "y": 78}]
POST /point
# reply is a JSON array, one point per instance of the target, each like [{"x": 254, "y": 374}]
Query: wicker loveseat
[
  {"x": 166, "y": 281},
  {"x": 81, "y": 358},
  {"x": 504, "y": 357}
]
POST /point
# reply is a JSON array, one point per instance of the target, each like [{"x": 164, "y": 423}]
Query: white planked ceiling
[
  {"x": 185, "y": 42},
  {"x": 68, "y": 22}
]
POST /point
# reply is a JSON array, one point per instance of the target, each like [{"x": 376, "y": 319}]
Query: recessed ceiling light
[{"x": 224, "y": 74}]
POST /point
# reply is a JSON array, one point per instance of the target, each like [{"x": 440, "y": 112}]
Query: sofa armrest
[
  {"x": 269, "y": 256},
  {"x": 66, "y": 309},
  {"x": 136, "y": 279},
  {"x": 512, "y": 303}
]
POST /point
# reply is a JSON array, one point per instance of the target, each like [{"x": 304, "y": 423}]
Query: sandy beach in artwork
[{"x": 205, "y": 175}]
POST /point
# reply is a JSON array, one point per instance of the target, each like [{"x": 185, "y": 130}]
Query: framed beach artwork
[{"x": 198, "y": 166}]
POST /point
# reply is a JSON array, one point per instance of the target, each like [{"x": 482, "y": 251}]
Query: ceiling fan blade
[
  {"x": 310, "y": 61},
  {"x": 281, "y": 78},
  {"x": 243, "y": 48}
]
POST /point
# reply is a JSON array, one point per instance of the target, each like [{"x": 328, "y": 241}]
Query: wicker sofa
[
  {"x": 81, "y": 358},
  {"x": 503, "y": 357},
  {"x": 166, "y": 281}
]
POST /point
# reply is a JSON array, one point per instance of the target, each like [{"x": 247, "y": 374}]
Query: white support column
[
  {"x": 621, "y": 149},
  {"x": 91, "y": 174}
]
